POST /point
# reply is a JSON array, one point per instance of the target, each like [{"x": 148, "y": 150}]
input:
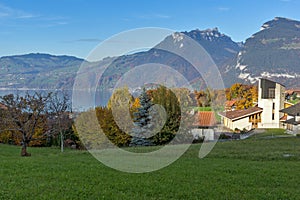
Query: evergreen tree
[{"x": 143, "y": 127}]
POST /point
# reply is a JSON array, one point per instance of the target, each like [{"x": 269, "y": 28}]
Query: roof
[
  {"x": 272, "y": 81},
  {"x": 292, "y": 121},
  {"x": 289, "y": 92},
  {"x": 2, "y": 106},
  {"x": 283, "y": 118},
  {"x": 230, "y": 103},
  {"x": 292, "y": 110},
  {"x": 205, "y": 119},
  {"x": 238, "y": 114}
]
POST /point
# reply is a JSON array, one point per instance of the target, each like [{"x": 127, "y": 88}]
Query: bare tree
[
  {"x": 59, "y": 106},
  {"x": 23, "y": 114}
]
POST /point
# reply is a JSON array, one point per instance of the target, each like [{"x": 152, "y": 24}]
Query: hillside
[
  {"x": 273, "y": 53},
  {"x": 38, "y": 71}
]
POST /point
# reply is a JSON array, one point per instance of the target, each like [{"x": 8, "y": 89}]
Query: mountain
[
  {"x": 57, "y": 72},
  {"x": 220, "y": 47},
  {"x": 38, "y": 71},
  {"x": 273, "y": 53}
]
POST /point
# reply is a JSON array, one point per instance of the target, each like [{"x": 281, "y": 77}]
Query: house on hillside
[
  {"x": 291, "y": 94},
  {"x": 292, "y": 118},
  {"x": 271, "y": 98},
  {"x": 204, "y": 124},
  {"x": 246, "y": 119}
]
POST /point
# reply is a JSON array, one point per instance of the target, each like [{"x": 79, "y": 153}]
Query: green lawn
[
  {"x": 248, "y": 169},
  {"x": 269, "y": 133}
]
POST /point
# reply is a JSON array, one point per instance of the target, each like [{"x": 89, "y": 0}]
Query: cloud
[
  {"x": 19, "y": 16},
  {"x": 8, "y": 12},
  {"x": 223, "y": 8},
  {"x": 154, "y": 16}
]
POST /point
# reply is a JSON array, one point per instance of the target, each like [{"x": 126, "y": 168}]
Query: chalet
[
  {"x": 204, "y": 124},
  {"x": 292, "y": 118},
  {"x": 246, "y": 119},
  {"x": 271, "y": 98}
]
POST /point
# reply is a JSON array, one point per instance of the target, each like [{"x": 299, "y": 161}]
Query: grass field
[{"x": 256, "y": 168}]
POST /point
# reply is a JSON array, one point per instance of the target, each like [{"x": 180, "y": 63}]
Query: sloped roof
[
  {"x": 2, "y": 106},
  {"x": 292, "y": 110},
  {"x": 238, "y": 114},
  {"x": 230, "y": 103},
  {"x": 289, "y": 92},
  {"x": 283, "y": 118},
  {"x": 292, "y": 121},
  {"x": 205, "y": 119}
]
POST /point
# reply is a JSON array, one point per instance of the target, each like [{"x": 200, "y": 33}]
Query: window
[
  {"x": 273, "y": 106},
  {"x": 273, "y": 116},
  {"x": 271, "y": 93}
]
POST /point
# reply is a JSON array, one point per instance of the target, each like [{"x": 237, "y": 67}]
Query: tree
[
  {"x": 110, "y": 128},
  {"x": 245, "y": 95},
  {"x": 60, "y": 122},
  {"x": 169, "y": 101},
  {"x": 89, "y": 131},
  {"x": 143, "y": 126},
  {"x": 24, "y": 114},
  {"x": 119, "y": 104}
]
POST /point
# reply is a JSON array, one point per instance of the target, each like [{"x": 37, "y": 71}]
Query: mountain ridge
[{"x": 272, "y": 53}]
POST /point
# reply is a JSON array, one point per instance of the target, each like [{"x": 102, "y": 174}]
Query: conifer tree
[{"x": 142, "y": 122}]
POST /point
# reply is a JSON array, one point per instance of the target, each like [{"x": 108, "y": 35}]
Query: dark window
[
  {"x": 271, "y": 93},
  {"x": 273, "y": 106},
  {"x": 273, "y": 116},
  {"x": 265, "y": 86}
]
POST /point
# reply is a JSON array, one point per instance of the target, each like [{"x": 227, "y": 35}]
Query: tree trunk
[
  {"x": 61, "y": 142},
  {"x": 24, "y": 150}
]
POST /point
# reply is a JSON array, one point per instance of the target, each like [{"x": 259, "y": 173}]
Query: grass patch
[
  {"x": 248, "y": 169},
  {"x": 294, "y": 101},
  {"x": 202, "y": 108},
  {"x": 269, "y": 133}
]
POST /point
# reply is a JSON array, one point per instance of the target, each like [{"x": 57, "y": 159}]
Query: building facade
[{"x": 271, "y": 97}]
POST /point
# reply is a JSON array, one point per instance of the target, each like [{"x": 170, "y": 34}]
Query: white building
[
  {"x": 271, "y": 97},
  {"x": 292, "y": 121}
]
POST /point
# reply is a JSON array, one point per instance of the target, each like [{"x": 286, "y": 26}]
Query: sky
[{"x": 76, "y": 27}]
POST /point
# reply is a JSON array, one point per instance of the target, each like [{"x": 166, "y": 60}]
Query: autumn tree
[
  {"x": 59, "y": 119},
  {"x": 24, "y": 115},
  {"x": 169, "y": 101},
  {"x": 245, "y": 95},
  {"x": 110, "y": 128}
]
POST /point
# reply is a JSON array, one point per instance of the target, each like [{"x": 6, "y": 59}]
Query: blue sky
[{"x": 75, "y": 27}]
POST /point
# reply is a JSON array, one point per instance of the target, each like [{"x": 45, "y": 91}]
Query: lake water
[{"x": 82, "y": 100}]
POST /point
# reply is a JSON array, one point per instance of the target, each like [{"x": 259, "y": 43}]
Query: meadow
[{"x": 255, "y": 168}]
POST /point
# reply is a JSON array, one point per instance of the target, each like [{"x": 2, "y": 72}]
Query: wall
[
  {"x": 267, "y": 105},
  {"x": 240, "y": 124},
  {"x": 207, "y": 133}
]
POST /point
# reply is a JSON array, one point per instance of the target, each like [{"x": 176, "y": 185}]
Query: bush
[{"x": 224, "y": 136}]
